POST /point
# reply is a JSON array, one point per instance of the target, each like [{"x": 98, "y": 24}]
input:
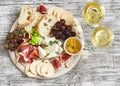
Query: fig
[
  {"x": 64, "y": 57},
  {"x": 57, "y": 63},
  {"x": 42, "y": 9}
]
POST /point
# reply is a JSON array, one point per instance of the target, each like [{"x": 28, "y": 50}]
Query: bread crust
[
  {"x": 48, "y": 26},
  {"x": 60, "y": 13},
  {"x": 29, "y": 20}
]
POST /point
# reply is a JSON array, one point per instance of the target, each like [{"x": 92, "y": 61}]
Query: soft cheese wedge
[
  {"x": 42, "y": 52},
  {"x": 26, "y": 16}
]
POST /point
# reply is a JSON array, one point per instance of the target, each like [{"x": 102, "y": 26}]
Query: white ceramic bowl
[{"x": 70, "y": 52}]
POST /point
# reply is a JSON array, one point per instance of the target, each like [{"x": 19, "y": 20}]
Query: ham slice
[
  {"x": 27, "y": 37},
  {"x": 27, "y": 53}
]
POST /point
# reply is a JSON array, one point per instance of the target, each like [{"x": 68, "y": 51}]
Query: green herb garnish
[{"x": 53, "y": 42}]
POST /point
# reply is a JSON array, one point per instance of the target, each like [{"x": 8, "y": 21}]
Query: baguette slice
[
  {"x": 60, "y": 13},
  {"x": 51, "y": 10},
  {"x": 26, "y": 16},
  {"x": 37, "y": 18},
  {"x": 45, "y": 25},
  {"x": 68, "y": 18}
]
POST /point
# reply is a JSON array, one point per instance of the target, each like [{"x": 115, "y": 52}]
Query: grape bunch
[
  {"x": 62, "y": 31},
  {"x": 14, "y": 38}
]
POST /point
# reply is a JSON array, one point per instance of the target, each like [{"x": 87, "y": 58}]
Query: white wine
[
  {"x": 102, "y": 37},
  {"x": 93, "y": 13}
]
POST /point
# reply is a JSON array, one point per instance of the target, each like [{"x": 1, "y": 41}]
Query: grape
[
  {"x": 6, "y": 46},
  {"x": 11, "y": 45},
  {"x": 57, "y": 24},
  {"x": 63, "y": 37},
  {"x": 57, "y": 35},
  {"x": 69, "y": 28},
  {"x": 62, "y": 21},
  {"x": 62, "y": 31},
  {"x": 73, "y": 33},
  {"x": 12, "y": 49},
  {"x": 22, "y": 31},
  {"x": 16, "y": 45},
  {"x": 14, "y": 38},
  {"x": 10, "y": 36},
  {"x": 8, "y": 41},
  {"x": 69, "y": 35},
  {"x": 66, "y": 33},
  {"x": 20, "y": 35},
  {"x": 18, "y": 29},
  {"x": 55, "y": 28},
  {"x": 54, "y": 32},
  {"x": 63, "y": 27},
  {"x": 16, "y": 33}
]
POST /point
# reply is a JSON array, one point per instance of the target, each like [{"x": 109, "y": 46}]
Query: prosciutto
[{"x": 27, "y": 53}]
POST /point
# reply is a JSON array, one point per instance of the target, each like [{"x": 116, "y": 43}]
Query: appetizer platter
[{"x": 46, "y": 42}]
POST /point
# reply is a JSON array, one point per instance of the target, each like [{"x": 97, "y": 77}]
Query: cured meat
[
  {"x": 27, "y": 53},
  {"x": 34, "y": 54},
  {"x": 27, "y": 37}
]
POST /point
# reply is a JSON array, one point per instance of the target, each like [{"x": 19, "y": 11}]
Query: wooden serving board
[{"x": 73, "y": 61}]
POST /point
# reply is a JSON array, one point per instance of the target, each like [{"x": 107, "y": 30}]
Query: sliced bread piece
[
  {"x": 51, "y": 10},
  {"x": 68, "y": 18},
  {"x": 60, "y": 13},
  {"x": 37, "y": 18},
  {"x": 45, "y": 25},
  {"x": 26, "y": 16}
]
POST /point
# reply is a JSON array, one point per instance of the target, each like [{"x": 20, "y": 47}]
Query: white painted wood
[{"x": 101, "y": 69}]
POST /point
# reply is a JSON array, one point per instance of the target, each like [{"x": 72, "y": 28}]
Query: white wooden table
[{"x": 101, "y": 69}]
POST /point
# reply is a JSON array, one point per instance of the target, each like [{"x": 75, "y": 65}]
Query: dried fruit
[
  {"x": 64, "y": 57},
  {"x": 57, "y": 63}
]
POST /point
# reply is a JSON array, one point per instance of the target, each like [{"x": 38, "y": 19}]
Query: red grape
[
  {"x": 62, "y": 31},
  {"x": 73, "y": 33},
  {"x": 62, "y": 21},
  {"x": 69, "y": 28},
  {"x": 63, "y": 27},
  {"x": 57, "y": 35},
  {"x": 57, "y": 24},
  {"x": 55, "y": 28},
  {"x": 63, "y": 37}
]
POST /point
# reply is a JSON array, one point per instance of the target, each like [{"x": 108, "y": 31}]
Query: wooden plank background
[{"x": 102, "y": 68}]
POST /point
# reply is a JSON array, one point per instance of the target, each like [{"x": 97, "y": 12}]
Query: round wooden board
[{"x": 62, "y": 71}]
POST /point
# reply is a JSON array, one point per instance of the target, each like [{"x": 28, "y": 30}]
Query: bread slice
[
  {"x": 60, "y": 13},
  {"x": 26, "y": 16},
  {"x": 45, "y": 25},
  {"x": 68, "y": 18},
  {"x": 37, "y": 18},
  {"x": 51, "y": 10}
]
